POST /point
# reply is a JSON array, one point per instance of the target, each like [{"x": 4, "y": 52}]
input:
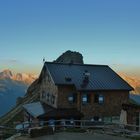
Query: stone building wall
[
  {"x": 48, "y": 87},
  {"x": 133, "y": 114},
  {"x": 112, "y": 105},
  {"x": 63, "y": 93}
]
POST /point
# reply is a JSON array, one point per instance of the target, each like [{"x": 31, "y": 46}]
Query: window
[
  {"x": 96, "y": 98},
  {"x": 85, "y": 98},
  {"x": 53, "y": 99},
  {"x": 96, "y": 118},
  {"x": 72, "y": 98},
  {"x": 99, "y": 98},
  {"x": 48, "y": 77},
  {"x": 48, "y": 97},
  {"x": 43, "y": 94}
]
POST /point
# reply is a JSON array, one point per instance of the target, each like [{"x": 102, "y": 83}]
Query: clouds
[
  {"x": 9, "y": 61},
  {"x": 19, "y": 66}
]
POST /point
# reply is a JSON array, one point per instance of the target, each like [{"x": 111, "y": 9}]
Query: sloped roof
[
  {"x": 35, "y": 109},
  {"x": 42, "y": 110},
  {"x": 102, "y": 77}
]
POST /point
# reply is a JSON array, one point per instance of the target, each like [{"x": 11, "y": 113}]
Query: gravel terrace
[{"x": 75, "y": 136}]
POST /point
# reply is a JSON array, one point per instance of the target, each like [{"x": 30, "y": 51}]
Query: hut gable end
[{"x": 48, "y": 88}]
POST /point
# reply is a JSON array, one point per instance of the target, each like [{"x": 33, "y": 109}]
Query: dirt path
[{"x": 75, "y": 136}]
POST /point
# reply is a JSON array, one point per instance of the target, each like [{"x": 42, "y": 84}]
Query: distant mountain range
[
  {"x": 20, "y": 77},
  {"x": 11, "y": 87},
  {"x": 133, "y": 81}
]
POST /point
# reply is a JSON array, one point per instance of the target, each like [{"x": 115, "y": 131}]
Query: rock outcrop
[{"x": 70, "y": 57}]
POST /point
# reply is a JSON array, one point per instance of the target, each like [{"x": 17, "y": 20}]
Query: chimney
[{"x": 86, "y": 76}]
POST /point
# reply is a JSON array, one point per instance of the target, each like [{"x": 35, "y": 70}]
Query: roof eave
[{"x": 105, "y": 89}]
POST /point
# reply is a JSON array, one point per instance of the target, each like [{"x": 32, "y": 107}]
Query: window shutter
[
  {"x": 96, "y": 98},
  {"x": 74, "y": 97},
  {"x": 88, "y": 98}
]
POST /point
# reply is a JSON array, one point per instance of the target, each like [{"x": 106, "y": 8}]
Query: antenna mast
[{"x": 43, "y": 60}]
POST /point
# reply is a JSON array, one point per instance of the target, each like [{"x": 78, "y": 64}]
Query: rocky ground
[{"x": 75, "y": 136}]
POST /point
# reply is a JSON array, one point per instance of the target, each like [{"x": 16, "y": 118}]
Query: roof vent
[
  {"x": 86, "y": 73},
  {"x": 68, "y": 79}
]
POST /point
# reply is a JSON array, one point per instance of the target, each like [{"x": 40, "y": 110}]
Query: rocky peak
[
  {"x": 27, "y": 78},
  {"x": 70, "y": 57},
  {"x": 6, "y": 74},
  {"x": 18, "y": 77},
  {"x": 22, "y": 77}
]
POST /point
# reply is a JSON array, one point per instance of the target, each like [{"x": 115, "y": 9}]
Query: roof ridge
[{"x": 47, "y": 62}]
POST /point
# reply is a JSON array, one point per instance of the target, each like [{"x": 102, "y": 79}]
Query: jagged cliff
[
  {"x": 70, "y": 57},
  {"x": 33, "y": 92}
]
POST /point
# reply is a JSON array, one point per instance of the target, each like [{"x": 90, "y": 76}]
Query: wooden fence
[
  {"x": 6, "y": 132},
  {"x": 88, "y": 124},
  {"x": 84, "y": 124}
]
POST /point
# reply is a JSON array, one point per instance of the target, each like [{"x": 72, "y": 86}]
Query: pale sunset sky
[{"x": 104, "y": 31}]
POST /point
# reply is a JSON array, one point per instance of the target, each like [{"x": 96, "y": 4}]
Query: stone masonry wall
[
  {"x": 48, "y": 86},
  {"x": 63, "y": 93},
  {"x": 112, "y": 105}
]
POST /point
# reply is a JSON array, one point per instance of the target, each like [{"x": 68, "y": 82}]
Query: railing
[
  {"x": 88, "y": 125},
  {"x": 6, "y": 132}
]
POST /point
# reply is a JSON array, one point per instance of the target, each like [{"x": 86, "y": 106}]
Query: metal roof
[
  {"x": 35, "y": 109},
  {"x": 102, "y": 77},
  {"x": 41, "y": 110}
]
